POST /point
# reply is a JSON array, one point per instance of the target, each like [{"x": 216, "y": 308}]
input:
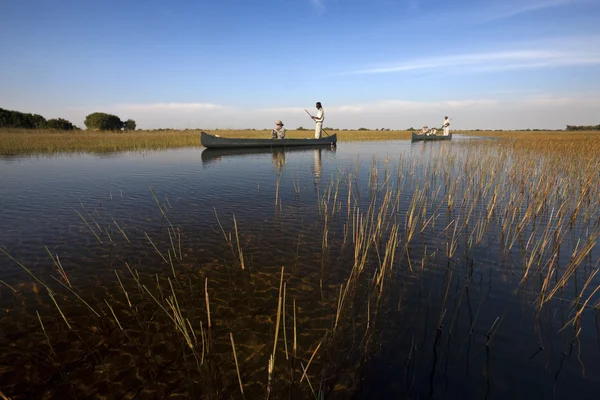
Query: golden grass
[
  {"x": 564, "y": 135},
  {"x": 23, "y": 141}
]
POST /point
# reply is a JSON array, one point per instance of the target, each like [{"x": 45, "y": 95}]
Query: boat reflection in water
[{"x": 278, "y": 154}]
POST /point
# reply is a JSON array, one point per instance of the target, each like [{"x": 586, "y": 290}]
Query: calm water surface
[{"x": 433, "y": 323}]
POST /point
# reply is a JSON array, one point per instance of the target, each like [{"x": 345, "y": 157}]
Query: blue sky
[{"x": 235, "y": 64}]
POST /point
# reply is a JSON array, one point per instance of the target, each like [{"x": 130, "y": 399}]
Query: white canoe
[{"x": 217, "y": 142}]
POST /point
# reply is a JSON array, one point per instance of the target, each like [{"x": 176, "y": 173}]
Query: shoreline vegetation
[{"x": 46, "y": 141}]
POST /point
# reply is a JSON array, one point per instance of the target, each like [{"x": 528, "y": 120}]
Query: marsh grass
[
  {"x": 382, "y": 240},
  {"x": 24, "y": 141},
  {"x": 16, "y": 142}
]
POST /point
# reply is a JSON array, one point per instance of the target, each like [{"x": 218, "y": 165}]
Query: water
[{"x": 444, "y": 327}]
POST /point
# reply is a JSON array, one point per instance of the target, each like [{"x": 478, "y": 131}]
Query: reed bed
[
  {"x": 24, "y": 141},
  {"x": 15, "y": 142},
  {"x": 411, "y": 230}
]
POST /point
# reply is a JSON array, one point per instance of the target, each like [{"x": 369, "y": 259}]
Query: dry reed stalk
[
  {"x": 193, "y": 333},
  {"x": 491, "y": 332},
  {"x": 92, "y": 218},
  {"x": 294, "y": 345},
  {"x": 78, "y": 297},
  {"x": 45, "y": 333},
  {"x": 8, "y": 286},
  {"x": 59, "y": 267},
  {"x": 114, "y": 315},
  {"x": 240, "y": 254},
  {"x": 454, "y": 241},
  {"x": 179, "y": 244},
  {"x": 207, "y": 303},
  {"x": 283, "y": 321},
  {"x": 575, "y": 320},
  {"x": 59, "y": 310},
  {"x": 121, "y": 230},
  {"x": 204, "y": 339},
  {"x": 172, "y": 244},
  {"x": 337, "y": 313},
  {"x": 272, "y": 358},
  {"x": 308, "y": 380},
  {"x": 576, "y": 259},
  {"x": 135, "y": 278},
  {"x": 88, "y": 225},
  {"x": 27, "y": 270},
  {"x": 156, "y": 248},
  {"x": 304, "y": 375},
  {"x": 237, "y": 368}
]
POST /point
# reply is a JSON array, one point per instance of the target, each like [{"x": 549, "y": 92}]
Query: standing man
[
  {"x": 319, "y": 118},
  {"x": 446, "y": 126}
]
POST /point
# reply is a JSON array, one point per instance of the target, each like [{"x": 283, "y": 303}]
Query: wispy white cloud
[
  {"x": 496, "y": 111},
  {"x": 492, "y": 61},
  {"x": 319, "y": 5},
  {"x": 157, "y": 107},
  {"x": 507, "y": 9}
]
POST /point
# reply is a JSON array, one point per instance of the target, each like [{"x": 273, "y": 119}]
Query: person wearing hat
[
  {"x": 279, "y": 131},
  {"x": 425, "y": 130},
  {"x": 319, "y": 118}
]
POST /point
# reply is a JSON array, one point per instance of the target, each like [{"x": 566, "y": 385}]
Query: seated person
[
  {"x": 425, "y": 130},
  {"x": 279, "y": 131}
]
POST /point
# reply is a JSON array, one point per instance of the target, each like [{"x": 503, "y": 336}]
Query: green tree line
[
  {"x": 96, "y": 121},
  {"x": 583, "y": 127},
  {"x": 16, "y": 119}
]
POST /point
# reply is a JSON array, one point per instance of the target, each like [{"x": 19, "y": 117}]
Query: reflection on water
[
  {"x": 318, "y": 165},
  {"x": 278, "y": 160},
  {"x": 446, "y": 314}
]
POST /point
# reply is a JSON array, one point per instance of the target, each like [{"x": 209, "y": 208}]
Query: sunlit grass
[
  {"x": 21, "y": 141},
  {"x": 24, "y": 141}
]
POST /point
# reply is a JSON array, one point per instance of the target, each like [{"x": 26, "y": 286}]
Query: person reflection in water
[
  {"x": 318, "y": 165},
  {"x": 278, "y": 159}
]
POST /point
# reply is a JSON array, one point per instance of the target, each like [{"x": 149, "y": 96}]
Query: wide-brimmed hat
[{"x": 279, "y": 123}]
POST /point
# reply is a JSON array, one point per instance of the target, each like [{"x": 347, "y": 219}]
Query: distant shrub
[
  {"x": 60, "y": 123},
  {"x": 103, "y": 122},
  {"x": 129, "y": 125},
  {"x": 583, "y": 128}
]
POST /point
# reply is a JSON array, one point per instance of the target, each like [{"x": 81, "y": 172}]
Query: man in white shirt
[
  {"x": 446, "y": 126},
  {"x": 319, "y": 118}
]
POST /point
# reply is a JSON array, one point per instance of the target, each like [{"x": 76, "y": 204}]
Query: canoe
[
  {"x": 217, "y": 142},
  {"x": 416, "y": 138}
]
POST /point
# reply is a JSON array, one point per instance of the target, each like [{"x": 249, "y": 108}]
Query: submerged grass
[{"x": 534, "y": 203}]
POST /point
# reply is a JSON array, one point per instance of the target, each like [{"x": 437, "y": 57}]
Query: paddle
[{"x": 313, "y": 119}]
